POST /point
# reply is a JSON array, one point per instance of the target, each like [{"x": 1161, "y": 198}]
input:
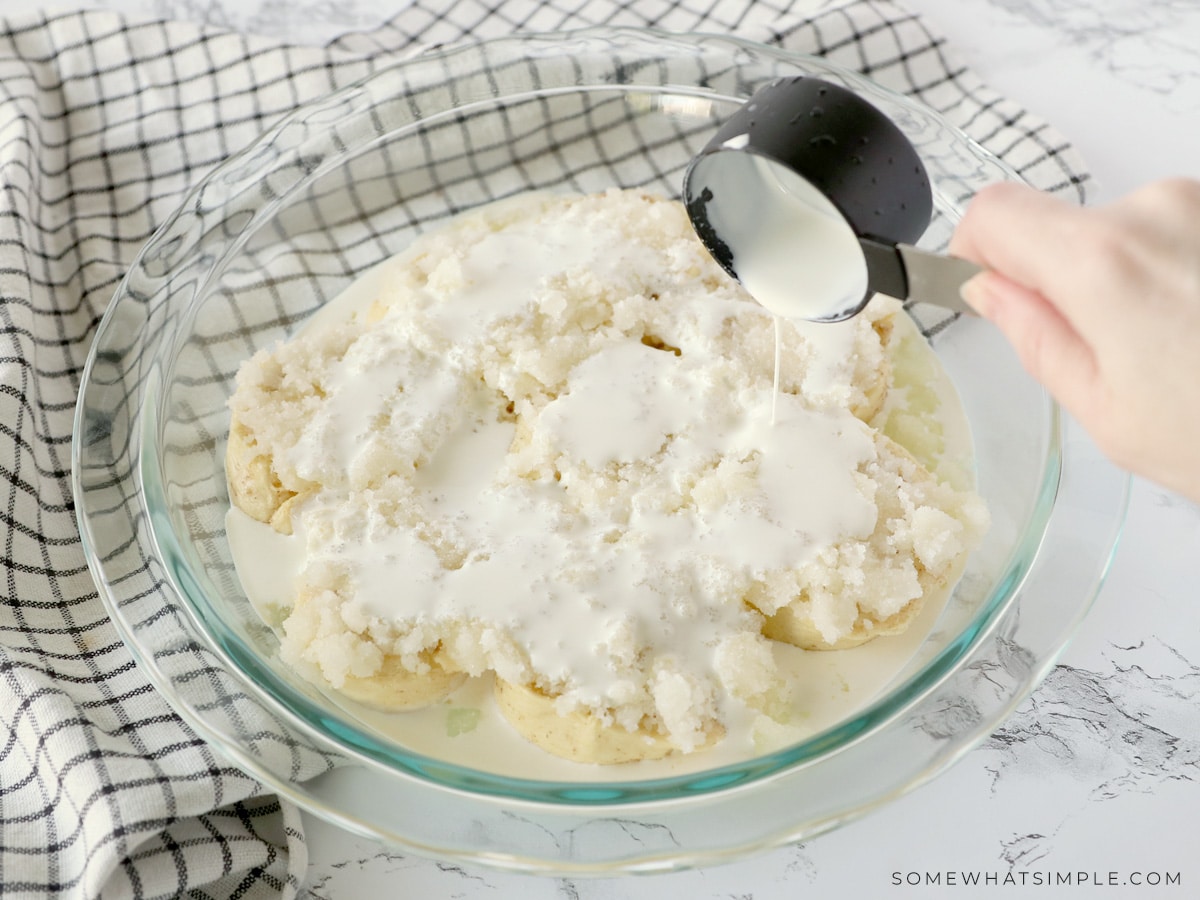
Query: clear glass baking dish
[{"x": 279, "y": 229}]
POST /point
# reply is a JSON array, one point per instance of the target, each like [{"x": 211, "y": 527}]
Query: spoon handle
[
  {"x": 908, "y": 273},
  {"x": 936, "y": 278}
]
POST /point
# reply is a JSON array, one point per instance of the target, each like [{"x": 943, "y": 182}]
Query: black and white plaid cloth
[{"x": 104, "y": 124}]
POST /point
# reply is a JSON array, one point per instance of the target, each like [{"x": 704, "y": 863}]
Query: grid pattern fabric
[{"x": 104, "y": 124}]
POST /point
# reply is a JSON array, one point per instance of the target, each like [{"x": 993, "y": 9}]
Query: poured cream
[{"x": 791, "y": 247}]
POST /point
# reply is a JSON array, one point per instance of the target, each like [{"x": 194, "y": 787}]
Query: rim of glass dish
[
  {"x": 302, "y": 712},
  {"x": 805, "y": 830}
]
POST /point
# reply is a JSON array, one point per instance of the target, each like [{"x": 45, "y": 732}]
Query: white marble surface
[{"x": 1100, "y": 771}]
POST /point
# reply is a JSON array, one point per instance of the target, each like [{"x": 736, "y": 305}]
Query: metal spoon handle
[
  {"x": 935, "y": 278},
  {"x": 906, "y": 272}
]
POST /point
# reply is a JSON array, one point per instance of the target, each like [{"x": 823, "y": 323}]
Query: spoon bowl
[{"x": 812, "y": 198}]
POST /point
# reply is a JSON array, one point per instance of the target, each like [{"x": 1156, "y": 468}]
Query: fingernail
[{"x": 976, "y": 292}]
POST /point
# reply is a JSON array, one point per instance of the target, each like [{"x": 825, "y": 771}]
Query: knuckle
[
  {"x": 1035, "y": 353},
  {"x": 992, "y": 197},
  {"x": 1029, "y": 341},
  {"x": 1162, "y": 206},
  {"x": 1105, "y": 248},
  {"x": 983, "y": 216},
  {"x": 1172, "y": 195}
]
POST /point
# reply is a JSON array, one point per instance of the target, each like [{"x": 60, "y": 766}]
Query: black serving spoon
[{"x": 811, "y": 195}]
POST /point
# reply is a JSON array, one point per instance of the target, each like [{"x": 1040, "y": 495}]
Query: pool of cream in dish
[{"x": 466, "y": 729}]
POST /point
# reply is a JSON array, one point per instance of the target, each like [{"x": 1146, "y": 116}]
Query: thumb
[{"x": 1049, "y": 347}]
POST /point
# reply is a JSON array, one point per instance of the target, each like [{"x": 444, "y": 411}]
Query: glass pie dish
[{"x": 281, "y": 228}]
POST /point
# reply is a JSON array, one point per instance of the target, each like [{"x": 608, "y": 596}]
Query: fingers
[
  {"x": 1006, "y": 224},
  {"x": 1103, "y": 308},
  {"x": 1031, "y": 237},
  {"x": 1049, "y": 347}
]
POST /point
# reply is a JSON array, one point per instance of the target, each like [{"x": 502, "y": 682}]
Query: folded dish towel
[{"x": 104, "y": 123}]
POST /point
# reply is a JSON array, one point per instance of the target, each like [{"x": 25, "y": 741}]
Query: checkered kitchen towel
[{"x": 104, "y": 124}]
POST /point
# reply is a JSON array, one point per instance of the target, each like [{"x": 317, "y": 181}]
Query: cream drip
[{"x": 791, "y": 247}]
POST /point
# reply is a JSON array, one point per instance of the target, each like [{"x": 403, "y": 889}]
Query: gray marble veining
[
  {"x": 1145, "y": 718},
  {"x": 1154, "y": 46}
]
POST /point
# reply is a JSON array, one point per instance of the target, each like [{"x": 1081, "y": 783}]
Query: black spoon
[{"x": 813, "y": 199}]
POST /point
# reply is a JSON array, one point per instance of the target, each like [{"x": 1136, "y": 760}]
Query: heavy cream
[
  {"x": 545, "y": 441},
  {"x": 791, "y": 247}
]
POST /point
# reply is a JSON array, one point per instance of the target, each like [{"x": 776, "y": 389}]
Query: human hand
[{"x": 1103, "y": 307}]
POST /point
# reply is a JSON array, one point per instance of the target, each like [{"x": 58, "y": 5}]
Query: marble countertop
[{"x": 1099, "y": 772}]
